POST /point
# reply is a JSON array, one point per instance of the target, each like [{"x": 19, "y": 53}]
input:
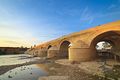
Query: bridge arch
[
  {"x": 104, "y": 49},
  {"x": 103, "y": 35},
  {"x": 49, "y": 46},
  {"x": 64, "y": 49},
  {"x": 112, "y": 37},
  {"x": 82, "y": 51}
]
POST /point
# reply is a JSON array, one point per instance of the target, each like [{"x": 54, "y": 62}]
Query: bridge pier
[
  {"x": 42, "y": 53},
  {"x": 81, "y": 54},
  {"x": 52, "y": 52}
]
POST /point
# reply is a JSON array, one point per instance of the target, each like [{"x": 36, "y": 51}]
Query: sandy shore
[
  {"x": 62, "y": 72},
  {"x": 65, "y": 72},
  {"x": 68, "y": 71}
]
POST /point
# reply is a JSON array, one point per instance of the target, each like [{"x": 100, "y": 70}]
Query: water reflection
[
  {"x": 31, "y": 72},
  {"x": 15, "y": 59},
  {"x": 43, "y": 67}
]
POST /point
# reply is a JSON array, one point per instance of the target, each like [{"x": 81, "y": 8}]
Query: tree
[{"x": 106, "y": 45}]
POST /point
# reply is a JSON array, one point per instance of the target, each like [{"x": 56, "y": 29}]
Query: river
[{"x": 26, "y": 72}]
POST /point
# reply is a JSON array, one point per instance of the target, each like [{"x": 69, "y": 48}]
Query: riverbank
[
  {"x": 55, "y": 71},
  {"x": 64, "y": 72},
  {"x": 61, "y": 69}
]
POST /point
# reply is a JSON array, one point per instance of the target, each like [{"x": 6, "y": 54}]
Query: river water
[{"x": 27, "y": 72}]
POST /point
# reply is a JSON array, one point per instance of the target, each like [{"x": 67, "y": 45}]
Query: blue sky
[{"x": 29, "y": 22}]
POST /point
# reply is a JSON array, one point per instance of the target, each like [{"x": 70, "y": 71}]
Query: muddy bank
[
  {"x": 64, "y": 72},
  {"x": 72, "y": 71}
]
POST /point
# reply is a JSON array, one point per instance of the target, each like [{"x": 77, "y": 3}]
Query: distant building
[{"x": 12, "y": 50}]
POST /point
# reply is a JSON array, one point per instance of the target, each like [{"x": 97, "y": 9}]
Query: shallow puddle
[{"x": 30, "y": 72}]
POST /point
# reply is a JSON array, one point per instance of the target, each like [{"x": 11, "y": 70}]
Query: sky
[{"x": 29, "y": 22}]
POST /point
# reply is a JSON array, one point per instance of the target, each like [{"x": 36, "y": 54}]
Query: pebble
[
  {"x": 15, "y": 72},
  {"x": 31, "y": 73},
  {"x": 9, "y": 76}
]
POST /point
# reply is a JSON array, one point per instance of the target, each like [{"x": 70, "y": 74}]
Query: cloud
[
  {"x": 11, "y": 42},
  {"x": 86, "y": 16},
  {"x": 114, "y": 6},
  {"x": 15, "y": 42},
  {"x": 85, "y": 11},
  {"x": 68, "y": 12},
  {"x": 12, "y": 35},
  {"x": 108, "y": 14},
  {"x": 89, "y": 17}
]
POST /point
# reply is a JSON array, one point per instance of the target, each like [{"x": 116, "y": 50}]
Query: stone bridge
[{"x": 80, "y": 46}]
